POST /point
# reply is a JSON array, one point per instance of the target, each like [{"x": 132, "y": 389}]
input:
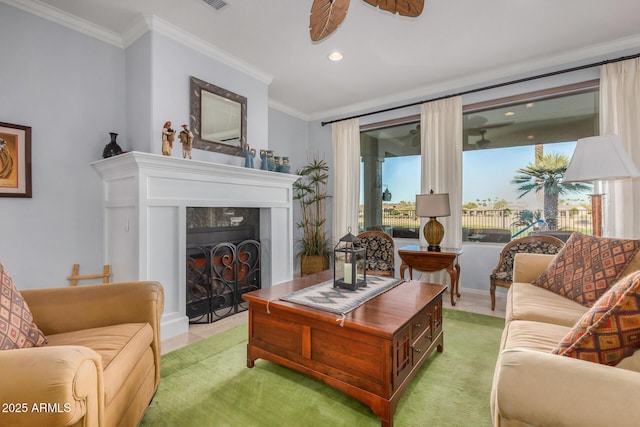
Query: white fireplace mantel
[{"x": 145, "y": 201}]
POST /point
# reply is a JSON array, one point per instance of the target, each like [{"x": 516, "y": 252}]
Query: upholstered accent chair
[
  {"x": 98, "y": 362},
  {"x": 502, "y": 274},
  {"x": 380, "y": 253}
]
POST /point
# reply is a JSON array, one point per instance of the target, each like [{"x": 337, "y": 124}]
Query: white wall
[
  {"x": 70, "y": 89},
  {"x": 289, "y": 136}
]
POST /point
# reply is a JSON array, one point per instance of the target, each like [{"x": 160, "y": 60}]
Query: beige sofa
[
  {"x": 532, "y": 387},
  {"x": 101, "y": 366}
]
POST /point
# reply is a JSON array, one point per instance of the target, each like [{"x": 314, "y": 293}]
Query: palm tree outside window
[{"x": 545, "y": 176}]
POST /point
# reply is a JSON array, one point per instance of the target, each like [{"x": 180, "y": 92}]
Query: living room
[{"x": 73, "y": 82}]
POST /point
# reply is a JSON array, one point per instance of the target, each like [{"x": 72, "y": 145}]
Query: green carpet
[{"x": 208, "y": 384}]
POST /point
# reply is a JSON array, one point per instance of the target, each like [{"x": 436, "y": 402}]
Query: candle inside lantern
[{"x": 348, "y": 273}]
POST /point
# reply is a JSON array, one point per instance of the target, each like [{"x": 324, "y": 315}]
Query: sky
[{"x": 487, "y": 174}]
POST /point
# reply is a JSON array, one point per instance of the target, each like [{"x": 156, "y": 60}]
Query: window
[
  {"x": 390, "y": 178},
  {"x": 500, "y": 137}
]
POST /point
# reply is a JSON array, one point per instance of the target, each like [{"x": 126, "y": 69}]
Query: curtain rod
[{"x": 466, "y": 92}]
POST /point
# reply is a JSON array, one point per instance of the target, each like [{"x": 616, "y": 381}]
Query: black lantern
[
  {"x": 349, "y": 260},
  {"x": 386, "y": 195}
]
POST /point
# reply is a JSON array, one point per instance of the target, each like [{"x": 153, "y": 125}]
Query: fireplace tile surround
[{"x": 145, "y": 199}]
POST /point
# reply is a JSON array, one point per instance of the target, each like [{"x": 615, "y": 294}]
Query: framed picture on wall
[{"x": 15, "y": 160}]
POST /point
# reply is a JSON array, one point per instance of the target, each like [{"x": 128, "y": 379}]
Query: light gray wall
[
  {"x": 172, "y": 65},
  {"x": 73, "y": 90},
  {"x": 70, "y": 89},
  {"x": 289, "y": 136},
  {"x": 139, "y": 96}
]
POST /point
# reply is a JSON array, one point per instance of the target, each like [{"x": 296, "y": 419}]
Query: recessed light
[
  {"x": 531, "y": 137},
  {"x": 509, "y": 113},
  {"x": 531, "y": 104},
  {"x": 335, "y": 56}
]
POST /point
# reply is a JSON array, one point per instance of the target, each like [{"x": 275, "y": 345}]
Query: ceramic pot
[{"x": 112, "y": 148}]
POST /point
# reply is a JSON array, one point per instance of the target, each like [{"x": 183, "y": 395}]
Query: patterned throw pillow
[
  {"x": 587, "y": 266},
  {"x": 610, "y": 330},
  {"x": 17, "y": 329}
]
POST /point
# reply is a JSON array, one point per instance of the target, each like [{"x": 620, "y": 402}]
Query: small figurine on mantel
[
  {"x": 249, "y": 154},
  {"x": 168, "y": 136},
  {"x": 186, "y": 138}
]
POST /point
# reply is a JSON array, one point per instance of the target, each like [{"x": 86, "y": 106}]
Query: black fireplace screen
[{"x": 218, "y": 275}]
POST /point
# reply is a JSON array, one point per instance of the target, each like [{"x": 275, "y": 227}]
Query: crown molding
[
  {"x": 65, "y": 19},
  {"x": 177, "y": 34},
  {"x": 567, "y": 59},
  {"x": 288, "y": 110},
  {"x": 154, "y": 23},
  {"x": 135, "y": 31}
]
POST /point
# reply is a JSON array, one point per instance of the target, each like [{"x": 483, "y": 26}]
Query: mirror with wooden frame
[{"x": 218, "y": 118}]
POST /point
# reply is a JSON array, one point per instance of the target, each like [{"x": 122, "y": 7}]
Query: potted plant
[{"x": 310, "y": 190}]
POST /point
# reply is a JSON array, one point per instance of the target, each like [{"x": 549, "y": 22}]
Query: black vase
[{"x": 112, "y": 148}]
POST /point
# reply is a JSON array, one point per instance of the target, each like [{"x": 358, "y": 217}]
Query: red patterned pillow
[
  {"x": 610, "y": 330},
  {"x": 587, "y": 266},
  {"x": 17, "y": 329}
]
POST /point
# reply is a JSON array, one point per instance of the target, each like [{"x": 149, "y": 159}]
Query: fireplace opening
[{"x": 223, "y": 261}]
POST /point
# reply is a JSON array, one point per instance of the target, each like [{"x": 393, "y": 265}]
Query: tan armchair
[
  {"x": 502, "y": 274},
  {"x": 380, "y": 252},
  {"x": 101, "y": 366}
]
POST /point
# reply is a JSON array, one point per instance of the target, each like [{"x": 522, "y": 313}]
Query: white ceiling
[{"x": 387, "y": 58}]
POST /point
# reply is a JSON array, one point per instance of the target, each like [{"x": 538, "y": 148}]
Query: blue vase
[
  {"x": 270, "y": 163},
  {"x": 263, "y": 156},
  {"x": 285, "y": 167},
  {"x": 248, "y": 158}
]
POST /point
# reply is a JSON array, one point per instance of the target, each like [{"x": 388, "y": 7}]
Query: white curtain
[
  {"x": 441, "y": 143},
  {"x": 620, "y": 115},
  {"x": 346, "y": 176}
]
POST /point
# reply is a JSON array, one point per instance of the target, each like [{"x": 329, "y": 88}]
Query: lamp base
[
  {"x": 433, "y": 234},
  {"x": 596, "y": 214}
]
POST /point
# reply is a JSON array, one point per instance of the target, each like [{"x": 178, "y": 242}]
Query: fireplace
[
  {"x": 222, "y": 262},
  {"x": 147, "y": 199}
]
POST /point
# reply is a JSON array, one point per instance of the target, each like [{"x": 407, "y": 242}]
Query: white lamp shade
[
  {"x": 432, "y": 205},
  {"x": 600, "y": 158}
]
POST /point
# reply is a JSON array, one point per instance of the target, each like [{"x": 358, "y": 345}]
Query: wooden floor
[{"x": 472, "y": 301}]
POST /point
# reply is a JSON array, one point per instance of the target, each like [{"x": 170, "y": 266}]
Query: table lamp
[
  {"x": 432, "y": 206},
  {"x": 599, "y": 158}
]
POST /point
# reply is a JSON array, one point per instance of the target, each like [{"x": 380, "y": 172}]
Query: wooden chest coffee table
[{"x": 372, "y": 357}]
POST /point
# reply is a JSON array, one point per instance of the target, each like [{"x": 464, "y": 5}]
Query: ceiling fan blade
[
  {"x": 326, "y": 16},
  {"x": 410, "y": 8}
]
